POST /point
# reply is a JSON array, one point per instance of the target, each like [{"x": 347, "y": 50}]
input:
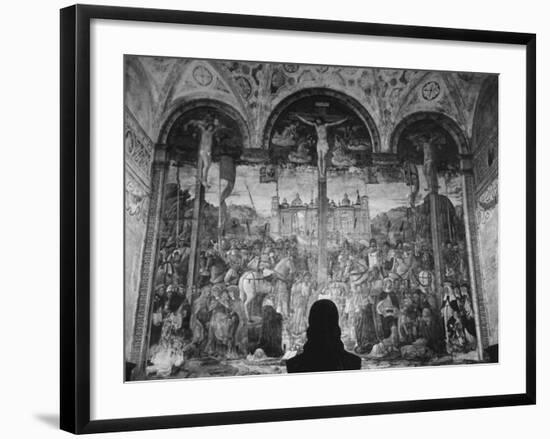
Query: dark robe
[
  {"x": 432, "y": 331},
  {"x": 365, "y": 329},
  {"x": 324, "y": 350},
  {"x": 271, "y": 336}
]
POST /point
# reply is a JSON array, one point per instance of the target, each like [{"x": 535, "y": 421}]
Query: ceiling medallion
[
  {"x": 431, "y": 90},
  {"x": 202, "y": 75}
]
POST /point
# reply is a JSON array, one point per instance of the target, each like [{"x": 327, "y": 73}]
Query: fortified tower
[
  {"x": 365, "y": 217},
  {"x": 275, "y": 225}
]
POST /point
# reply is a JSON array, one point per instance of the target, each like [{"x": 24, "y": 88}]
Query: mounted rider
[
  {"x": 234, "y": 264},
  {"x": 217, "y": 270},
  {"x": 266, "y": 264},
  {"x": 234, "y": 253}
]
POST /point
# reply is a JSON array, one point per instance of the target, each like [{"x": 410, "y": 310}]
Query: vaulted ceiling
[{"x": 156, "y": 86}]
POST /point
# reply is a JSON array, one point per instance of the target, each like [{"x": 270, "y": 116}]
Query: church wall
[
  {"x": 487, "y": 220},
  {"x": 155, "y": 87},
  {"x": 139, "y": 154},
  {"x": 139, "y": 95},
  {"x": 485, "y": 146}
]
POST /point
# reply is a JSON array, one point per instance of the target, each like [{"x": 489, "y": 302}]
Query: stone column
[
  {"x": 435, "y": 229},
  {"x": 322, "y": 219},
  {"x": 143, "y": 314},
  {"x": 193, "y": 268},
  {"x": 471, "y": 245}
]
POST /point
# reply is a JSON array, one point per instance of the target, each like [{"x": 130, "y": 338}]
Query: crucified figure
[
  {"x": 427, "y": 143},
  {"x": 322, "y": 139},
  {"x": 207, "y": 130}
]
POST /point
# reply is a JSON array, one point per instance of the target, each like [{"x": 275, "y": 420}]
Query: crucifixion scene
[{"x": 284, "y": 218}]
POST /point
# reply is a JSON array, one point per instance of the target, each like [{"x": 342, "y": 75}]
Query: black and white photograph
[
  {"x": 275, "y": 220},
  {"x": 285, "y": 218}
]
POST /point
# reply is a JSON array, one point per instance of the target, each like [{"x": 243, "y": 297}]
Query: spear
[{"x": 250, "y": 196}]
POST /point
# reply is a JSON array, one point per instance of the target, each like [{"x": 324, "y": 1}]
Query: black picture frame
[{"x": 75, "y": 217}]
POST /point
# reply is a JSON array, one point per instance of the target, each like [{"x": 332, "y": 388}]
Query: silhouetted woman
[{"x": 323, "y": 351}]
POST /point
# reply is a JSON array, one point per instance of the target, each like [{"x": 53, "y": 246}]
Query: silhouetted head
[
  {"x": 323, "y": 332},
  {"x": 323, "y": 313}
]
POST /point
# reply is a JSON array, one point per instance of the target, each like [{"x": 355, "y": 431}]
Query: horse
[
  {"x": 252, "y": 283},
  {"x": 360, "y": 274}
]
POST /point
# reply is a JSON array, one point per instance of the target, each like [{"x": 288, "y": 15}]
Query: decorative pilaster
[
  {"x": 468, "y": 189},
  {"x": 149, "y": 262}
]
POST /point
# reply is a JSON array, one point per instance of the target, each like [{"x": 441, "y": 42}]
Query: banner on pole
[{"x": 268, "y": 174}]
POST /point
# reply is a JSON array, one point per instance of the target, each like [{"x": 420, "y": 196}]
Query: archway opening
[
  {"x": 184, "y": 137},
  {"x": 323, "y": 102},
  {"x": 430, "y": 148},
  {"x": 446, "y": 155},
  {"x": 293, "y": 137},
  {"x": 219, "y": 132},
  {"x": 203, "y": 141},
  {"x": 323, "y": 142}
]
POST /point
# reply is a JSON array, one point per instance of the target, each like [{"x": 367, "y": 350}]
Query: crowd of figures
[
  {"x": 390, "y": 305},
  {"x": 253, "y": 297}
]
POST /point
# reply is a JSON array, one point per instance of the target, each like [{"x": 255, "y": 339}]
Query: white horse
[{"x": 253, "y": 283}]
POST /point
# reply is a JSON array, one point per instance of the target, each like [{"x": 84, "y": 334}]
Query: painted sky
[{"x": 303, "y": 180}]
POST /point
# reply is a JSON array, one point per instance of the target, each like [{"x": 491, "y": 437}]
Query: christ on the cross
[
  {"x": 428, "y": 143},
  {"x": 322, "y": 139}
]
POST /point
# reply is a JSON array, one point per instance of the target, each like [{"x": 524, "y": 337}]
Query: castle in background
[{"x": 346, "y": 220}]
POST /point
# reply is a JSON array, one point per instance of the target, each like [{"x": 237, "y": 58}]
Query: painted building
[{"x": 346, "y": 220}]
